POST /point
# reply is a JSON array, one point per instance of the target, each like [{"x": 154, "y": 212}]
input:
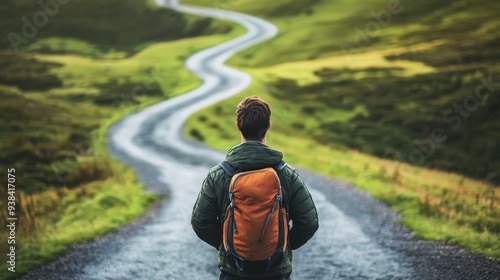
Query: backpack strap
[
  {"x": 280, "y": 166},
  {"x": 227, "y": 168}
]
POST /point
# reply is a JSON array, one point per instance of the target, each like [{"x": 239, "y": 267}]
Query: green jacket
[{"x": 251, "y": 155}]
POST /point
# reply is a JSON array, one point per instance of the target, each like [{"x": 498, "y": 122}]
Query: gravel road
[{"x": 359, "y": 237}]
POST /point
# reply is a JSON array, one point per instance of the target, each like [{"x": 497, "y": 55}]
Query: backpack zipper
[{"x": 269, "y": 217}]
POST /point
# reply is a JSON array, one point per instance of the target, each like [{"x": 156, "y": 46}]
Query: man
[{"x": 253, "y": 121}]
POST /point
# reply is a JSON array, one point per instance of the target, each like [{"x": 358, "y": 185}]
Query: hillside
[
  {"x": 394, "y": 107},
  {"x": 94, "y": 28}
]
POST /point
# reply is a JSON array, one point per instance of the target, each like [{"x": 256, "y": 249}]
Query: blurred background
[{"x": 400, "y": 98}]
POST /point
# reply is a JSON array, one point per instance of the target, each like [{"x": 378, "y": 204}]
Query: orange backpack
[{"x": 255, "y": 223}]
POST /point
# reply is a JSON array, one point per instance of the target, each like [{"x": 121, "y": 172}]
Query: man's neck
[{"x": 263, "y": 141}]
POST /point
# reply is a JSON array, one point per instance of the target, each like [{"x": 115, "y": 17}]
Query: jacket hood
[{"x": 252, "y": 155}]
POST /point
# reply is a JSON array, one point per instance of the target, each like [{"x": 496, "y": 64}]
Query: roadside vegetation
[
  {"x": 62, "y": 91},
  {"x": 393, "y": 110}
]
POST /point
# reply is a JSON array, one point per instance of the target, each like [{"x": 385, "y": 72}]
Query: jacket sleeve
[
  {"x": 204, "y": 219},
  {"x": 302, "y": 213}
]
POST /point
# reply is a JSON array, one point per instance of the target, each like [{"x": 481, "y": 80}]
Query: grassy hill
[
  {"x": 91, "y": 64},
  {"x": 397, "y": 97},
  {"x": 95, "y": 28},
  {"x": 463, "y": 51}
]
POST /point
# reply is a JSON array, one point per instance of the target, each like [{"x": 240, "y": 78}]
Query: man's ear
[
  {"x": 270, "y": 125},
  {"x": 237, "y": 126}
]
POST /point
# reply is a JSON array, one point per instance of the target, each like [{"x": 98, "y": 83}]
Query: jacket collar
[{"x": 251, "y": 155}]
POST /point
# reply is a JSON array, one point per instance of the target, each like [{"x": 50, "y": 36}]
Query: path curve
[{"x": 359, "y": 237}]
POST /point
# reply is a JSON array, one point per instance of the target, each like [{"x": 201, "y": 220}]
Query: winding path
[{"x": 359, "y": 237}]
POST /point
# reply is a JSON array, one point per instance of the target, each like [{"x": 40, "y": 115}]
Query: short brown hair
[{"x": 253, "y": 116}]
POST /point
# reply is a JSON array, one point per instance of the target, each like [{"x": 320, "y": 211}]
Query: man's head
[{"x": 253, "y": 118}]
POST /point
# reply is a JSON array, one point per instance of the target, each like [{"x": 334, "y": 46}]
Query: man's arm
[
  {"x": 205, "y": 212},
  {"x": 302, "y": 212}
]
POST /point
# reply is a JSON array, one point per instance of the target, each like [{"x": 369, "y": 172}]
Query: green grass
[
  {"x": 65, "y": 216},
  {"x": 352, "y": 116}
]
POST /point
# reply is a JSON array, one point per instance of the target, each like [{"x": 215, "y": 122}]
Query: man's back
[{"x": 252, "y": 155}]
